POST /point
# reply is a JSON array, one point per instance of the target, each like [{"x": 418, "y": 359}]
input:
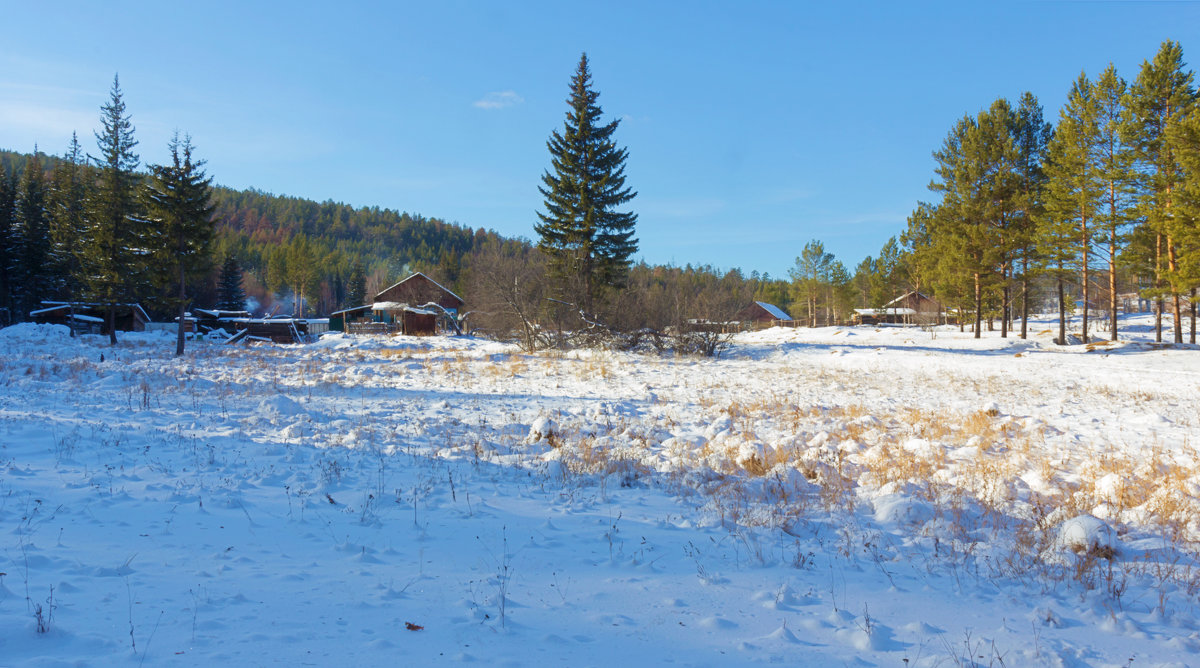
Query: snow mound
[
  {"x": 902, "y": 509},
  {"x": 1085, "y": 534},
  {"x": 542, "y": 428},
  {"x": 34, "y": 333},
  {"x": 279, "y": 406}
]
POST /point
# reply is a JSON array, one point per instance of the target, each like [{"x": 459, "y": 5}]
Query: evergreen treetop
[{"x": 588, "y": 242}]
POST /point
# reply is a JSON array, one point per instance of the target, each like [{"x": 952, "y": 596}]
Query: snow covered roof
[
  {"x": 353, "y": 309},
  {"x": 907, "y": 295},
  {"x": 56, "y": 305},
  {"x": 218, "y": 313},
  {"x": 774, "y": 310},
  {"x": 400, "y": 306},
  {"x": 885, "y": 311}
]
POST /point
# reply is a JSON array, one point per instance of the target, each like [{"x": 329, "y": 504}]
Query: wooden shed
[
  {"x": 91, "y": 317},
  {"x": 338, "y": 320}
]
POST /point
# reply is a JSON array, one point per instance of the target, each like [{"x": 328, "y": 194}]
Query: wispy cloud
[
  {"x": 51, "y": 125},
  {"x": 499, "y": 100}
]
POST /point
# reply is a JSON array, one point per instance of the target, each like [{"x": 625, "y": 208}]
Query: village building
[
  {"x": 416, "y": 306},
  {"x": 912, "y": 308},
  {"x": 91, "y": 317},
  {"x": 763, "y": 314}
]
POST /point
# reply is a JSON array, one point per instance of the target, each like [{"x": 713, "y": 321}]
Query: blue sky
[{"x": 752, "y": 127}]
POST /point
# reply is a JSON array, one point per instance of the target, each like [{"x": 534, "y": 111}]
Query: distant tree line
[
  {"x": 1025, "y": 216},
  {"x": 1029, "y": 215}
]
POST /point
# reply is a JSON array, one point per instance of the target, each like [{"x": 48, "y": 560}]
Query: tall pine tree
[
  {"x": 1113, "y": 159},
  {"x": 1161, "y": 95},
  {"x": 114, "y": 261},
  {"x": 31, "y": 234},
  {"x": 1073, "y": 194},
  {"x": 980, "y": 184},
  {"x": 1032, "y": 136},
  {"x": 180, "y": 215},
  {"x": 588, "y": 243},
  {"x": 69, "y": 189},
  {"x": 1185, "y": 137}
]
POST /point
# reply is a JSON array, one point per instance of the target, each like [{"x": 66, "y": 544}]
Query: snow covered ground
[{"x": 862, "y": 496}]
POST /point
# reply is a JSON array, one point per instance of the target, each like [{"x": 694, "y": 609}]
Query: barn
[{"x": 762, "y": 314}]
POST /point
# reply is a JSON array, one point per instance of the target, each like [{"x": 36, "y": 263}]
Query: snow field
[{"x": 891, "y": 496}]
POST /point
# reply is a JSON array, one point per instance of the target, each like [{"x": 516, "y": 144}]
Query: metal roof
[{"x": 774, "y": 310}]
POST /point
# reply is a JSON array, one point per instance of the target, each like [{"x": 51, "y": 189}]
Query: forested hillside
[
  {"x": 281, "y": 241},
  {"x": 272, "y": 237}
]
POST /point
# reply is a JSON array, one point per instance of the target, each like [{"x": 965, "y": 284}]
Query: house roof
[
  {"x": 416, "y": 274},
  {"x": 774, "y": 310},
  {"x": 885, "y": 311},
  {"x": 908, "y": 294},
  {"x": 55, "y": 306},
  {"x": 400, "y": 306},
  {"x": 218, "y": 313},
  {"x": 353, "y": 309}
]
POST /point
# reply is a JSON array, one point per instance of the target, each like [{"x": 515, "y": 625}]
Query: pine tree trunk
[
  {"x": 179, "y": 330},
  {"x": 1024, "y": 298},
  {"x": 1158, "y": 299},
  {"x": 978, "y": 307},
  {"x": 1112, "y": 282},
  {"x": 1062, "y": 311},
  {"x": 1084, "y": 275},
  {"x": 112, "y": 324},
  {"x": 1192, "y": 334},
  {"x": 1177, "y": 315},
  {"x": 1005, "y": 305}
]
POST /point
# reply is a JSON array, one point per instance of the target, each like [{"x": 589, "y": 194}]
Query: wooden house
[
  {"x": 91, "y": 317},
  {"x": 417, "y": 306},
  {"x": 419, "y": 290},
  {"x": 913, "y": 308},
  {"x": 762, "y": 314}
]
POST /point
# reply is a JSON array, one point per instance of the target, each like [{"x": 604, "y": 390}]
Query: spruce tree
[
  {"x": 31, "y": 236},
  {"x": 231, "y": 294},
  {"x": 68, "y": 220},
  {"x": 8, "y": 249},
  {"x": 1161, "y": 95},
  {"x": 114, "y": 260},
  {"x": 180, "y": 215},
  {"x": 356, "y": 294},
  {"x": 588, "y": 243}
]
